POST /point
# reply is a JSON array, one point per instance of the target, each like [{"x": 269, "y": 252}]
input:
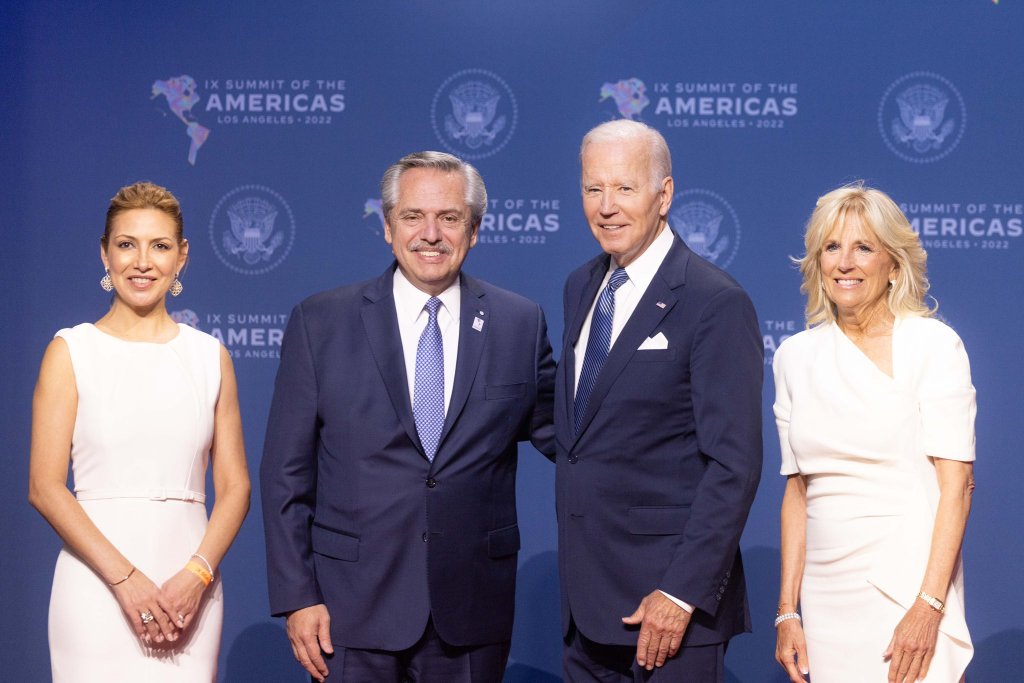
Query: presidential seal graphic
[
  {"x": 922, "y": 117},
  {"x": 474, "y": 113},
  {"x": 252, "y": 229},
  {"x": 707, "y": 223},
  {"x": 630, "y": 96},
  {"x": 181, "y": 95}
]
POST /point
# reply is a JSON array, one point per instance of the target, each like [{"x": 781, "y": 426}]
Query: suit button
[
  {"x": 425, "y": 537},
  {"x": 573, "y": 459},
  {"x": 431, "y": 483}
]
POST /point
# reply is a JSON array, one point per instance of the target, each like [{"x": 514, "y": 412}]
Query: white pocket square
[{"x": 658, "y": 341}]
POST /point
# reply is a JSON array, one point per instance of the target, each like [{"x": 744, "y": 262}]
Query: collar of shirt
[
  {"x": 409, "y": 303},
  {"x": 412, "y": 320},
  {"x": 643, "y": 269}
]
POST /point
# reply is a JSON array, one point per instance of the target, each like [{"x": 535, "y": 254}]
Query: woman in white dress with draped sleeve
[
  {"x": 140, "y": 406},
  {"x": 875, "y": 412}
]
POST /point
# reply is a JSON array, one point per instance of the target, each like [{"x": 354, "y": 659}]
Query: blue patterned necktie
[
  {"x": 598, "y": 344},
  {"x": 428, "y": 391}
]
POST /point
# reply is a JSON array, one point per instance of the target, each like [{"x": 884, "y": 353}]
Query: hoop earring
[
  {"x": 106, "y": 283},
  {"x": 176, "y": 286}
]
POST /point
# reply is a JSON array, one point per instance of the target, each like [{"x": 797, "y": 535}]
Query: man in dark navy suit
[
  {"x": 658, "y": 425},
  {"x": 389, "y": 467}
]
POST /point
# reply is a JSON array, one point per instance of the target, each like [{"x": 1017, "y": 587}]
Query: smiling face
[
  {"x": 143, "y": 256},
  {"x": 855, "y": 269},
  {"x": 625, "y": 208},
  {"x": 430, "y": 230}
]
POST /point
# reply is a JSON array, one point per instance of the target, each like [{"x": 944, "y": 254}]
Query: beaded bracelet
[
  {"x": 200, "y": 571},
  {"x": 786, "y": 617},
  {"x": 126, "y": 577}
]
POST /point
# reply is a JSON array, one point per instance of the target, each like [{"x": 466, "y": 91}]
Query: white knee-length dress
[
  {"x": 864, "y": 443},
  {"x": 139, "y": 454}
]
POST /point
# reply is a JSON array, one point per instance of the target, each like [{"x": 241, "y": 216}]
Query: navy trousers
[{"x": 584, "y": 661}]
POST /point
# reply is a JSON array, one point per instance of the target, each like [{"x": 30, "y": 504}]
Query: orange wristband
[{"x": 200, "y": 571}]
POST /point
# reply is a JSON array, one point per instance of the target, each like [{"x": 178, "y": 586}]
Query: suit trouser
[
  {"x": 430, "y": 660},
  {"x": 584, "y": 661}
]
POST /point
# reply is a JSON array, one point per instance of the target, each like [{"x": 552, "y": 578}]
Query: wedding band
[
  {"x": 146, "y": 617},
  {"x": 181, "y": 618}
]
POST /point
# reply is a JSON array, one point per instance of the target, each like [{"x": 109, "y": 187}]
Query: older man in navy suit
[
  {"x": 658, "y": 423},
  {"x": 389, "y": 468}
]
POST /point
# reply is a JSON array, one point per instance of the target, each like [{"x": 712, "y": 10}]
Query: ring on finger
[{"x": 146, "y": 616}]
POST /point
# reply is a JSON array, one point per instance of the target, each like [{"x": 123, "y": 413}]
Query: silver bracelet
[
  {"x": 205, "y": 561},
  {"x": 786, "y": 617}
]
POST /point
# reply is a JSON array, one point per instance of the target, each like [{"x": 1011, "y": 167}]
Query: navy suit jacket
[
  {"x": 654, "y": 489},
  {"x": 355, "y": 515}
]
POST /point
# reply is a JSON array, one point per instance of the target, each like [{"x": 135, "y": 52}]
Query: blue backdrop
[{"x": 285, "y": 115}]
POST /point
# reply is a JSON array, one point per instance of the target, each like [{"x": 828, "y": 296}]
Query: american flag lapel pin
[{"x": 660, "y": 304}]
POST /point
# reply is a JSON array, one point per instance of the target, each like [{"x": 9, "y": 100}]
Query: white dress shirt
[
  {"x": 412, "y": 320},
  {"x": 641, "y": 271}
]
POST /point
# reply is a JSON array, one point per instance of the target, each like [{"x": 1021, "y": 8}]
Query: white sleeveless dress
[
  {"x": 862, "y": 441},
  {"x": 139, "y": 454}
]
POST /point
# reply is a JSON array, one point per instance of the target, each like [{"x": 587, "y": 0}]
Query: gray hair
[
  {"x": 476, "y": 193},
  {"x": 624, "y": 130}
]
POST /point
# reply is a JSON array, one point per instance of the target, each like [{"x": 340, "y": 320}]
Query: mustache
[{"x": 427, "y": 246}]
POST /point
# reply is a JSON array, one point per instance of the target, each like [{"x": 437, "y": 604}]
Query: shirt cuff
[{"x": 685, "y": 605}]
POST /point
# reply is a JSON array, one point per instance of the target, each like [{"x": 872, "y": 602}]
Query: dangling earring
[
  {"x": 106, "y": 283},
  {"x": 176, "y": 286}
]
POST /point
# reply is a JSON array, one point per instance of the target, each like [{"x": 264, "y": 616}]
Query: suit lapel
[
  {"x": 577, "y": 316},
  {"x": 380, "y": 321},
  {"x": 656, "y": 303},
  {"x": 472, "y": 335}
]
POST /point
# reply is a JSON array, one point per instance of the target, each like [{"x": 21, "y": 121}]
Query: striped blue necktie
[
  {"x": 598, "y": 344},
  {"x": 428, "y": 389}
]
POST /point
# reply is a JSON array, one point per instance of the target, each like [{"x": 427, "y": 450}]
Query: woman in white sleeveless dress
[
  {"x": 875, "y": 411},
  {"x": 140, "y": 405}
]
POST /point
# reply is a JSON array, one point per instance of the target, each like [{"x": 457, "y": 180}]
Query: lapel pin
[
  {"x": 660, "y": 304},
  {"x": 478, "y": 324}
]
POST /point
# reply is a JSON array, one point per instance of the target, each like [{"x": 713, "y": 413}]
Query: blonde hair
[
  {"x": 144, "y": 195},
  {"x": 879, "y": 214}
]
